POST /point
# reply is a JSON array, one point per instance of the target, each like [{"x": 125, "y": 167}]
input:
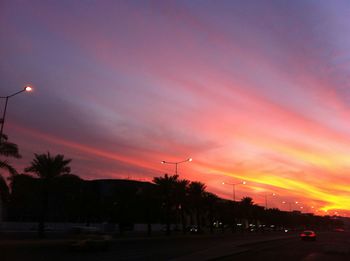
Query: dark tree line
[
  {"x": 171, "y": 201},
  {"x": 47, "y": 191}
]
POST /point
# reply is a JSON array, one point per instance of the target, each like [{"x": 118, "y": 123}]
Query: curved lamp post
[
  {"x": 25, "y": 89},
  {"x": 233, "y": 188},
  {"x": 176, "y": 163}
]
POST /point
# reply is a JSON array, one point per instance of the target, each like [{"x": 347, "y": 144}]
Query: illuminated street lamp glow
[
  {"x": 176, "y": 163},
  {"x": 267, "y": 194},
  {"x": 28, "y": 88},
  {"x": 25, "y": 89},
  {"x": 290, "y": 204},
  {"x": 233, "y": 188}
]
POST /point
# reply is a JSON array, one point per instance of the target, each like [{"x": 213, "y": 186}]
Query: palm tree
[
  {"x": 47, "y": 168},
  {"x": 246, "y": 208},
  {"x": 247, "y": 202},
  {"x": 4, "y": 189},
  {"x": 166, "y": 188},
  {"x": 7, "y": 149},
  {"x": 181, "y": 204},
  {"x": 196, "y": 192},
  {"x": 4, "y": 196},
  {"x": 210, "y": 203}
]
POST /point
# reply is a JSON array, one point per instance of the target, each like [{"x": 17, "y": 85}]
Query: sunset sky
[{"x": 251, "y": 90}]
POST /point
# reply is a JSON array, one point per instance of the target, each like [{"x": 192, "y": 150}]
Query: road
[
  {"x": 328, "y": 247},
  {"x": 269, "y": 246}
]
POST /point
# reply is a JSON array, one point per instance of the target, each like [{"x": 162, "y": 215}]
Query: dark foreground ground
[
  {"x": 328, "y": 246},
  {"x": 268, "y": 246}
]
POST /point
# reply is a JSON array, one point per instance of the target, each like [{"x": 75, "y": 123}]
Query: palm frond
[
  {"x": 46, "y": 166},
  {"x": 4, "y": 189},
  {"x": 8, "y": 149},
  {"x": 5, "y": 165}
]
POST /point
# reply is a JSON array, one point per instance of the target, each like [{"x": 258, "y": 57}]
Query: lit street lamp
[
  {"x": 25, "y": 89},
  {"x": 176, "y": 163},
  {"x": 273, "y": 194},
  {"x": 233, "y": 188},
  {"x": 290, "y": 204}
]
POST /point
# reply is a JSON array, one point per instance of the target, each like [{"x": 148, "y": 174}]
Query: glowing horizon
[{"x": 252, "y": 91}]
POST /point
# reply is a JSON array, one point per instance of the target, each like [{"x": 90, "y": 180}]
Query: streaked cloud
[{"x": 254, "y": 91}]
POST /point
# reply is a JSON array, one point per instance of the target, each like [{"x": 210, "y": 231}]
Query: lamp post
[
  {"x": 273, "y": 194},
  {"x": 290, "y": 204},
  {"x": 312, "y": 208},
  {"x": 25, "y": 89},
  {"x": 176, "y": 163},
  {"x": 234, "y": 188}
]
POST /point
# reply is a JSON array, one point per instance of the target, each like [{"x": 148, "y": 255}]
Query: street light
[
  {"x": 233, "y": 188},
  {"x": 176, "y": 163},
  {"x": 25, "y": 89},
  {"x": 267, "y": 194},
  {"x": 290, "y": 204}
]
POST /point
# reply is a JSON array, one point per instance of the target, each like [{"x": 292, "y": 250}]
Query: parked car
[{"x": 308, "y": 235}]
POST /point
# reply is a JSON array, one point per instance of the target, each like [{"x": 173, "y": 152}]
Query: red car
[{"x": 308, "y": 235}]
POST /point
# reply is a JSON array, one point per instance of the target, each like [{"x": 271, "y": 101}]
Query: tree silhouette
[
  {"x": 47, "y": 168},
  {"x": 4, "y": 196},
  {"x": 7, "y": 149},
  {"x": 166, "y": 188},
  {"x": 181, "y": 204},
  {"x": 196, "y": 193},
  {"x": 247, "y": 202},
  {"x": 246, "y": 208},
  {"x": 210, "y": 200}
]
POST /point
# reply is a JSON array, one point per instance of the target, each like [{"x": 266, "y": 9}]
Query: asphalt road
[
  {"x": 269, "y": 246},
  {"x": 328, "y": 247},
  {"x": 190, "y": 247}
]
